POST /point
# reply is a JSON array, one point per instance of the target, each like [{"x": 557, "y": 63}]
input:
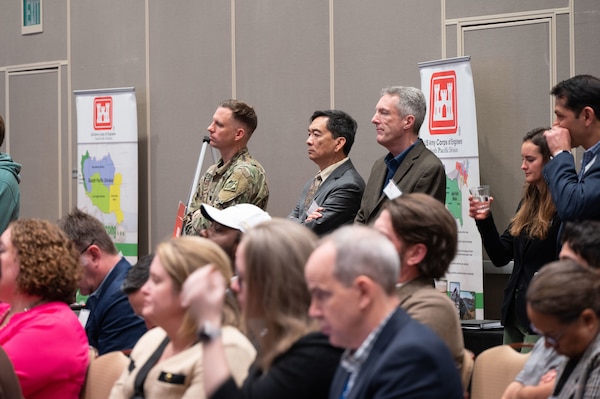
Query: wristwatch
[{"x": 209, "y": 332}]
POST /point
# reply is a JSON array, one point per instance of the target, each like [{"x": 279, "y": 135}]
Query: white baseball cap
[{"x": 240, "y": 217}]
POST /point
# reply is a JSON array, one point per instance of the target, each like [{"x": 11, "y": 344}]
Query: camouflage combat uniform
[{"x": 241, "y": 180}]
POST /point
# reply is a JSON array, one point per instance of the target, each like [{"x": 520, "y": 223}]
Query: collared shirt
[
  {"x": 352, "y": 361},
  {"x": 92, "y": 300},
  {"x": 589, "y": 157},
  {"x": 325, "y": 173},
  {"x": 393, "y": 162}
]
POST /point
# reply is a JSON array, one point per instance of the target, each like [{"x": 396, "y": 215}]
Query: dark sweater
[{"x": 304, "y": 371}]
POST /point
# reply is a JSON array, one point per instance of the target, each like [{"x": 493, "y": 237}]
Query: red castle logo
[
  {"x": 103, "y": 112},
  {"x": 443, "y": 116}
]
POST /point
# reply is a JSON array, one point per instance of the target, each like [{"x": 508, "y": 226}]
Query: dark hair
[
  {"x": 418, "y": 218},
  {"x": 137, "y": 275},
  {"x": 340, "y": 124},
  {"x": 84, "y": 229},
  {"x": 580, "y": 91},
  {"x": 2, "y": 130},
  {"x": 242, "y": 113},
  {"x": 584, "y": 239},
  {"x": 564, "y": 289}
]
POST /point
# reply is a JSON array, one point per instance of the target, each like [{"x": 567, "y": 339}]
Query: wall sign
[{"x": 31, "y": 16}]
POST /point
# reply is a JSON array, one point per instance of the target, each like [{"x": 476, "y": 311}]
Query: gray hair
[
  {"x": 364, "y": 251},
  {"x": 411, "y": 101}
]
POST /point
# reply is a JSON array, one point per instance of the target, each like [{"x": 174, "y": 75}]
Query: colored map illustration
[
  {"x": 102, "y": 184},
  {"x": 455, "y": 180}
]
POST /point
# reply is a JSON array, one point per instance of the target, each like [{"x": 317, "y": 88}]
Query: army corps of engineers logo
[
  {"x": 443, "y": 115},
  {"x": 103, "y": 112}
]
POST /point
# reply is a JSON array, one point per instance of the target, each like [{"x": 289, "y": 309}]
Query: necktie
[{"x": 312, "y": 190}]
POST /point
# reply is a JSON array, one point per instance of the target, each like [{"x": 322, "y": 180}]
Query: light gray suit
[
  {"x": 420, "y": 172},
  {"x": 339, "y": 195}
]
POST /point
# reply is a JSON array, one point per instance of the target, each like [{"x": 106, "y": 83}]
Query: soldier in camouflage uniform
[{"x": 236, "y": 178}]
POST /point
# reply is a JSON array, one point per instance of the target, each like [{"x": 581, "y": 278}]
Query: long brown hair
[
  {"x": 276, "y": 314},
  {"x": 534, "y": 217}
]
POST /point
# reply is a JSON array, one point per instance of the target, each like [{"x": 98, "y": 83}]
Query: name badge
[
  {"x": 392, "y": 191},
  {"x": 313, "y": 207}
]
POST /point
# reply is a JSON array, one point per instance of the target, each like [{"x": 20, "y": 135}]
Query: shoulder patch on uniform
[{"x": 230, "y": 185}]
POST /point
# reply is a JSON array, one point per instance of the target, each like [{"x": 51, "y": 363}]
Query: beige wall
[{"x": 287, "y": 58}]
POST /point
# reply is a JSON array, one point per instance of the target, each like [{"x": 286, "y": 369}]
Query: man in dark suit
[
  {"x": 409, "y": 166},
  {"x": 577, "y": 109},
  {"x": 332, "y": 198},
  {"x": 351, "y": 277},
  {"x": 109, "y": 320}
]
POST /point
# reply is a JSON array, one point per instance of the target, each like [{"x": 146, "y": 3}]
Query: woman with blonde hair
[
  {"x": 167, "y": 360},
  {"x": 531, "y": 239},
  {"x": 39, "y": 273},
  {"x": 294, "y": 360}
]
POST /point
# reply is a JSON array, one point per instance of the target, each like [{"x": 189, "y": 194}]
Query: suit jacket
[
  {"x": 408, "y": 360},
  {"x": 112, "y": 324},
  {"x": 182, "y": 375},
  {"x": 574, "y": 199},
  {"x": 434, "y": 309},
  {"x": 339, "y": 195},
  {"x": 421, "y": 171}
]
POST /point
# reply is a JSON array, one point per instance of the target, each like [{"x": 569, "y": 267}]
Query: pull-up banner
[
  {"x": 107, "y": 158},
  {"x": 450, "y": 132}
]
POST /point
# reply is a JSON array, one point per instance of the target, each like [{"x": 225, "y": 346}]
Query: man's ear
[
  {"x": 240, "y": 133},
  {"x": 409, "y": 122},
  {"x": 365, "y": 287},
  {"x": 415, "y": 254},
  {"x": 341, "y": 142},
  {"x": 94, "y": 252},
  {"x": 589, "y": 116}
]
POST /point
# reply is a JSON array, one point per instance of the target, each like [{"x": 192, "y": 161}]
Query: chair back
[
  {"x": 102, "y": 374},
  {"x": 495, "y": 368},
  {"x": 466, "y": 371},
  {"x": 9, "y": 382}
]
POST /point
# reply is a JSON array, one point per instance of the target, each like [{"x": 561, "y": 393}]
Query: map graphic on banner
[
  {"x": 456, "y": 182},
  {"x": 450, "y": 132},
  {"x": 107, "y": 157},
  {"x": 102, "y": 184}
]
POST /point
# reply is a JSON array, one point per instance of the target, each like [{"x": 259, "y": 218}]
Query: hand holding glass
[{"x": 481, "y": 195}]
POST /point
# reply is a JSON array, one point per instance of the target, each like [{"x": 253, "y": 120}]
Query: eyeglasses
[
  {"x": 88, "y": 247},
  {"x": 551, "y": 340}
]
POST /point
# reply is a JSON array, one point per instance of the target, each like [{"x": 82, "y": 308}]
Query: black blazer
[{"x": 528, "y": 254}]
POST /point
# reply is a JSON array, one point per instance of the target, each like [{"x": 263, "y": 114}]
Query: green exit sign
[{"x": 31, "y": 16}]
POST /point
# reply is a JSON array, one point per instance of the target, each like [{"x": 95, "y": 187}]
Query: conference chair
[
  {"x": 9, "y": 382},
  {"x": 467, "y": 369},
  {"x": 102, "y": 374},
  {"x": 494, "y": 369}
]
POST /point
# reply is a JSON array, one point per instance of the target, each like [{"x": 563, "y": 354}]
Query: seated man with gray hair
[{"x": 352, "y": 278}]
